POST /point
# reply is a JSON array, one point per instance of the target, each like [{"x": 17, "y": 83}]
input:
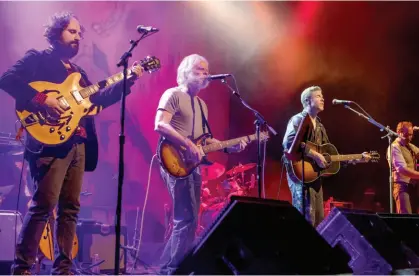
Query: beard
[
  {"x": 199, "y": 82},
  {"x": 69, "y": 50}
]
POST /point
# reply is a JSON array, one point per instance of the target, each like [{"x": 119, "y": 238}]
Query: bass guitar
[
  {"x": 54, "y": 130},
  {"x": 175, "y": 161},
  {"x": 312, "y": 171}
]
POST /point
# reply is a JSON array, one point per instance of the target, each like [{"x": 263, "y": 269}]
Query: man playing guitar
[
  {"x": 182, "y": 114},
  {"x": 312, "y": 194},
  {"x": 405, "y": 176},
  {"x": 57, "y": 171}
]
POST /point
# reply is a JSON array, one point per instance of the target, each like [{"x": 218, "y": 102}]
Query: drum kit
[{"x": 238, "y": 182}]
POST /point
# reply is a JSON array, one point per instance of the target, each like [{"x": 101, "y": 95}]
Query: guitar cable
[
  {"x": 17, "y": 204},
  {"x": 280, "y": 179},
  {"x": 137, "y": 250}
]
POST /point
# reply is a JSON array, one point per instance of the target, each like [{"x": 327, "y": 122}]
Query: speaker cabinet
[
  {"x": 98, "y": 238},
  {"x": 406, "y": 227},
  {"x": 259, "y": 236},
  {"x": 373, "y": 246},
  {"x": 10, "y": 226}
]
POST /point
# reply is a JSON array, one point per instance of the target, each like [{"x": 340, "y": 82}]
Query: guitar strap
[{"x": 204, "y": 119}]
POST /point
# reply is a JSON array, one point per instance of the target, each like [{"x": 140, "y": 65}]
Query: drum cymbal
[
  {"x": 241, "y": 168},
  {"x": 212, "y": 172}
]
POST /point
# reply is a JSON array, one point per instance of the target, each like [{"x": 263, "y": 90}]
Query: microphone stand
[
  {"x": 122, "y": 62},
  {"x": 389, "y": 135},
  {"x": 260, "y": 121}
]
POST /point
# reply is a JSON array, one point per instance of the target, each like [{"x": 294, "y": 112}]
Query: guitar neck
[
  {"x": 92, "y": 89},
  {"x": 228, "y": 143},
  {"x": 346, "y": 157}
]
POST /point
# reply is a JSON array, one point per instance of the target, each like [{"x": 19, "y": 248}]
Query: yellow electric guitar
[
  {"x": 176, "y": 162},
  {"x": 53, "y": 130},
  {"x": 46, "y": 244}
]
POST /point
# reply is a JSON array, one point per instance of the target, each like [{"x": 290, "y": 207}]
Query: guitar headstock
[
  {"x": 372, "y": 156},
  {"x": 150, "y": 64}
]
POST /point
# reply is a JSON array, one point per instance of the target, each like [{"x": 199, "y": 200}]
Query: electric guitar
[
  {"x": 54, "y": 130},
  {"x": 46, "y": 244},
  {"x": 175, "y": 161},
  {"x": 312, "y": 171}
]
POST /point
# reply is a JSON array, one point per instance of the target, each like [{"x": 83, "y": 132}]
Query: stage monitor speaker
[
  {"x": 372, "y": 245},
  {"x": 10, "y": 225},
  {"x": 406, "y": 227},
  {"x": 259, "y": 236},
  {"x": 98, "y": 238}
]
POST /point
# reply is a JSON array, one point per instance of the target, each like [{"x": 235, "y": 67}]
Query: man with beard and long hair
[
  {"x": 57, "y": 171},
  {"x": 181, "y": 117}
]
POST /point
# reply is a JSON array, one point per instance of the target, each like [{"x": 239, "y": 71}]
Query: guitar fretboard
[
  {"x": 345, "y": 157},
  {"x": 92, "y": 89},
  {"x": 228, "y": 143}
]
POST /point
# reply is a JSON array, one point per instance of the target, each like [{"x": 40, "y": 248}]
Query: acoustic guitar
[
  {"x": 176, "y": 162},
  {"x": 312, "y": 171},
  {"x": 54, "y": 130}
]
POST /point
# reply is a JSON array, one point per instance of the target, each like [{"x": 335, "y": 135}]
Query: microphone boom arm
[
  {"x": 260, "y": 121},
  {"x": 389, "y": 135}
]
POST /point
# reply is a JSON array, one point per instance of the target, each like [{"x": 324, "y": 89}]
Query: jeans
[
  {"x": 57, "y": 174},
  {"x": 186, "y": 197},
  {"x": 314, "y": 208}
]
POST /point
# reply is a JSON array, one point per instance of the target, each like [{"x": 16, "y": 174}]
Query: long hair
[
  {"x": 185, "y": 67},
  {"x": 56, "y": 25}
]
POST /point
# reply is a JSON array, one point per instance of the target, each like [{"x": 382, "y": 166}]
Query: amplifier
[
  {"x": 98, "y": 238},
  {"x": 10, "y": 225}
]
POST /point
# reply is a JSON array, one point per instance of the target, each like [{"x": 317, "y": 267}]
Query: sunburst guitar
[
  {"x": 54, "y": 130},
  {"x": 175, "y": 160},
  {"x": 312, "y": 171}
]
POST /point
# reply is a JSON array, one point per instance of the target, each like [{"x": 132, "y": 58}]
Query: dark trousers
[
  {"x": 186, "y": 196},
  {"x": 313, "y": 198},
  {"x": 57, "y": 174},
  {"x": 405, "y": 196}
]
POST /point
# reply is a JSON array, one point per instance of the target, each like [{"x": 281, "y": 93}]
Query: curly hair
[{"x": 57, "y": 23}]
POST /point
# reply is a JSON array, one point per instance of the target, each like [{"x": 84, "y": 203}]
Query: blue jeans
[
  {"x": 313, "y": 197},
  {"x": 58, "y": 175},
  {"x": 186, "y": 197}
]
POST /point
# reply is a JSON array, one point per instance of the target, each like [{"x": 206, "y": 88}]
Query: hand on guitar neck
[{"x": 366, "y": 157}]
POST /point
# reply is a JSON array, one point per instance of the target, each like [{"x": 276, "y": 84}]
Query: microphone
[
  {"x": 218, "y": 77},
  {"x": 341, "y": 102},
  {"x": 146, "y": 29}
]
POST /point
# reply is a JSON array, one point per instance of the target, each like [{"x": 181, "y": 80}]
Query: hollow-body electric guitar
[{"x": 54, "y": 130}]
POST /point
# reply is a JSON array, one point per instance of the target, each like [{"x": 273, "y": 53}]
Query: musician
[
  {"x": 313, "y": 103},
  {"x": 182, "y": 116},
  {"x": 404, "y": 172},
  {"x": 57, "y": 171}
]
